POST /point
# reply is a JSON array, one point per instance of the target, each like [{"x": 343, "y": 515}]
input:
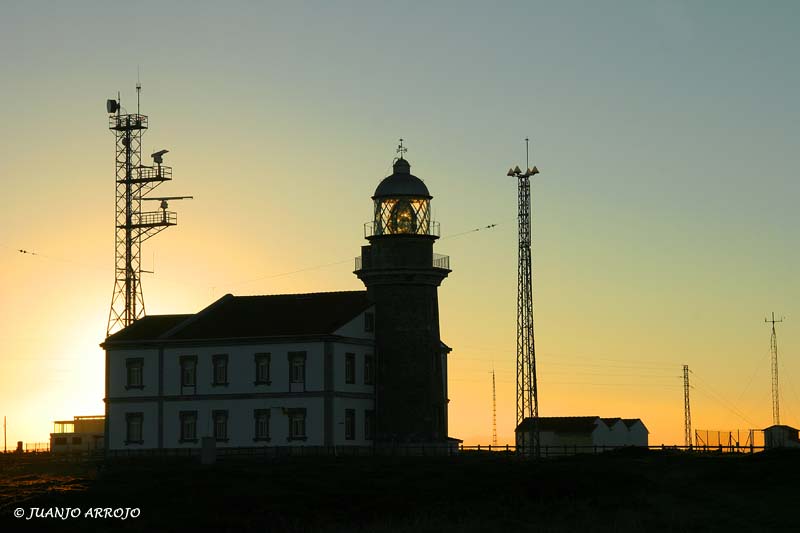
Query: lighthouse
[{"x": 402, "y": 276}]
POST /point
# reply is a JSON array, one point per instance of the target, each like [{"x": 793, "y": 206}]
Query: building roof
[
  {"x": 610, "y": 421},
  {"x": 148, "y": 327},
  {"x": 402, "y": 183},
  {"x": 781, "y": 427},
  {"x": 561, "y": 424},
  {"x": 280, "y": 315},
  {"x": 632, "y": 421}
]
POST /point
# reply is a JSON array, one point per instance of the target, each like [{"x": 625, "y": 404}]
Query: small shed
[
  {"x": 780, "y": 436},
  {"x": 637, "y": 432},
  {"x": 575, "y": 433},
  {"x": 617, "y": 432}
]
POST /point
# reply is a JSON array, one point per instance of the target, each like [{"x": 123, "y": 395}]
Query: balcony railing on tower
[{"x": 439, "y": 261}]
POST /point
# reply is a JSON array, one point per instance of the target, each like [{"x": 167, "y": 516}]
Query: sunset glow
[{"x": 664, "y": 218}]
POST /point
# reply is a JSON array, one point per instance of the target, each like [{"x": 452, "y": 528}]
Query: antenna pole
[
  {"x": 687, "y": 413},
  {"x": 527, "y": 394},
  {"x": 138, "y": 89},
  {"x": 527, "y": 163},
  {"x": 494, "y": 410},
  {"x": 773, "y": 345},
  {"x": 134, "y": 181}
]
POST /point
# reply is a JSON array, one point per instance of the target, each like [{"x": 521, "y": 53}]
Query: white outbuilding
[{"x": 580, "y": 434}]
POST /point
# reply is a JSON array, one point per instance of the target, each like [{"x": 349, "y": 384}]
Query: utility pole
[
  {"x": 687, "y": 413},
  {"x": 527, "y": 396},
  {"x": 773, "y": 345},
  {"x": 4, "y": 434},
  {"x": 494, "y": 410}
]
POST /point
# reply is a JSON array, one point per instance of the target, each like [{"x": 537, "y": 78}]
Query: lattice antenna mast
[
  {"x": 773, "y": 345},
  {"x": 494, "y": 410},
  {"x": 527, "y": 396},
  {"x": 687, "y": 412},
  {"x": 133, "y": 226}
]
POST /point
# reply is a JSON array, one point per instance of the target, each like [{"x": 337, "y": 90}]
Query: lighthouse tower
[{"x": 402, "y": 276}]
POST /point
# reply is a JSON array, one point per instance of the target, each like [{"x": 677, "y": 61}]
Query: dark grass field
[{"x": 625, "y": 491}]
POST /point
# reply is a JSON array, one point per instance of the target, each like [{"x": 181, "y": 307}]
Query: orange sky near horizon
[{"x": 663, "y": 217}]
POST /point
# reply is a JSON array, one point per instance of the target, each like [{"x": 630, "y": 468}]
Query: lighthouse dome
[{"x": 401, "y": 183}]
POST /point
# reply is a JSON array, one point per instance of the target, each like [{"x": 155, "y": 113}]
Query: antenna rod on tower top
[
  {"x": 527, "y": 162},
  {"x": 138, "y": 90}
]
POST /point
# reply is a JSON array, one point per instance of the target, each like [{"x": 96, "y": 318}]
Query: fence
[
  {"x": 729, "y": 441},
  {"x": 35, "y": 452}
]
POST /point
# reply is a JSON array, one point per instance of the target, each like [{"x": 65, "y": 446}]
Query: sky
[{"x": 664, "y": 218}]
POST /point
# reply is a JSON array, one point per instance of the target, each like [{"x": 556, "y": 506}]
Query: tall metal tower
[
  {"x": 133, "y": 226},
  {"x": 773, "y": 345},
  {"x": 687, "y": 412},
  {"x": 494, "y": 410},
  {"x": 527, "y": 397}
]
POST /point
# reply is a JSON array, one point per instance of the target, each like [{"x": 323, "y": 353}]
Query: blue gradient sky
[{"x": 665, "y": 217}]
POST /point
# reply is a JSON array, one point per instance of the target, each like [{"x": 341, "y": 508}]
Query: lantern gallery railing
[
  {"x": 431, "y": 228},
  {"x": 439, "y": 261}
]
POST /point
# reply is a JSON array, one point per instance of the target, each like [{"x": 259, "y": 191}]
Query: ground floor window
[
  {"x": 297, "y": 424},
  {"x": 261, "y": 417},
  {"x": 220, "y": 419},
  {"x": 133, "y": 423},
  {"x": 188, "y": 421},
  {"x": 369, "y": 424},
  {"x": 349, "y": 424}
]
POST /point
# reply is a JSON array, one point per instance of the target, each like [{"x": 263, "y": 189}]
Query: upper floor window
[
  {"x": 133, "y": 427},
  {"x": 188, "y": 370},
  {"x": 134, "y": 369},
  {"x": 188, "y": 421},
  {"x": 349, "y": 368},
  {"x": 349, "y": 424},
  {"x": 220, "y": 419},
  {"x": 369, "y": 322},
  {"x": 369, "y": 369},
  {"x": 262, "y": 361},
  {"x": 297, "y": 424},
  {"x": 220, "y": 364},
  {"x": 297, "y": 367},
  {"x": 261, "y": 418}
]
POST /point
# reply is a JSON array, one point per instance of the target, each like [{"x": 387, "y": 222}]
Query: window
[
  {"x": 133, "y": 423},
  {"x": 60, "y": 441},
  {"x": 220, "y": 425},
  {"x": 188, "y": 371},
  {"x": 369, "y": 424},
  {"x": 220, "y": 363},
  {"x": 261, "y": 418},
  {"x": 350, "y": 368},
  {"x": 297, "y": 367},
  {"x": 369, "y": 370},
  {"x": 369, "y": 322},
  {"x": 77, "y": 440},
  {"x": 349, "y": 424},
  {"x": 134, "y": 369},
  {"x": 188, "y": 426},
  {"x": 297, "y": 424},
  {"x": 262, "y": 369}
]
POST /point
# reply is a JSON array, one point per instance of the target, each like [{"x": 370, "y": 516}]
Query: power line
[{"x": 720, "y": 399}]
